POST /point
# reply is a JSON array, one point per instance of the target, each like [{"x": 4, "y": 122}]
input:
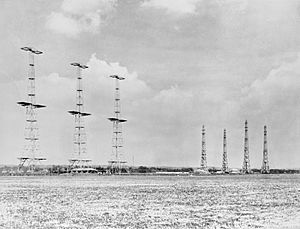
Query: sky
[{"x": 187, "y": 63}]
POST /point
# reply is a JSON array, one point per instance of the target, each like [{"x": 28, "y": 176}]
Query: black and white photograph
[{"x": 150, "y": 114}]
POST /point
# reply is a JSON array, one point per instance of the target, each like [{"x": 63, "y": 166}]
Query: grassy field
[{"x": 254, "y": 201}]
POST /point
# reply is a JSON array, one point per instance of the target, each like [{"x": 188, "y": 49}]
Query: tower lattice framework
[
  {"x": 246, "y": 163},
  {"x": 79, "y": 158},
  {"x": 265, "y": 163},
  {"x": 225, "y": 159},
  {"x": 116, "y": 163},
  {"x": 31, "y": 155},
  {"x": 203, "y": 163}
]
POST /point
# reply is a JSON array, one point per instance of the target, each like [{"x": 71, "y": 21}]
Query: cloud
[
  {"x": 98, "y": 96},
  {"x": 60, "y": 23},
  {"x": 274, "y": 100},
  {"x": 279, "y": 89},
  {"x": 56, "y": 125},
  {"x": 151, "y": 115},
  {"x": 180, "y": 7},
  {"x": 164, "y": 126},
  {"x": 77, "y": 16},
  {"x": 202, "y": 7},
  {"x": 100, "y": 70}
]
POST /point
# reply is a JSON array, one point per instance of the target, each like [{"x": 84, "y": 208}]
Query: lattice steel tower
[
  {"x": 265, "y": 164},
  {"x": 31, "y": 154},
  {"x": 203, "y": 164},
  {"x": 225, "y": 159},
  {"x": 116, "y": 163},
  {"x": 79, "y": 158},
  {"x": 246, "y": 164}
]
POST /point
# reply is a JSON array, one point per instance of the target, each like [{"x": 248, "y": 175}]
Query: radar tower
[
  {"x": 246, "y": 164},
  {"x": 116, "y": 163},
  {"x": 79, "y": 158},
  {"x": 265, "y": 164},
  {"x": 203, "y": 164},
  {"x": 31, "y": 155},
  {"x": 225, "y": 159}
]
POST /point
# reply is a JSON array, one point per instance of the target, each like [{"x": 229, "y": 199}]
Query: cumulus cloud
[
  {"x": 76, "y": 16},
  {"x": 280, "y": 88},
  {"x": 149, "y": 113},
  {"x": 185, "y": 7},
  {"x": 180, "y": 7},
  {"x": 60, "y": 23},
  {"x": 274, "y": 100},
  {"x": 163, "y": 125},
  {"x": 100, "y": 70},
  {"x": 56, "y": 125}
]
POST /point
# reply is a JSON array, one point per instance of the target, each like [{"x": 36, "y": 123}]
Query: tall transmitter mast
[
  {"x": 115, "y": 164},
  {"x": 203, "y": 163},
  {"x": 225, "y": 159},
  {"x": 79, "y": 158},
  {"x": 265, "y": 164},
  {"x": 246, "y": 163},
  {"x": 31, "y": 154}
]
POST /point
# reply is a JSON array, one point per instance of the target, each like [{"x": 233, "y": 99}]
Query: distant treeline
[
  {"x": 279, "y": 171},
  {"x": 60, "y": 169},
  {"x": 144, "y": 169}
]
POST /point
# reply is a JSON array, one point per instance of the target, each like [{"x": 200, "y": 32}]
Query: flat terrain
[{"x": 254, "y": 201}]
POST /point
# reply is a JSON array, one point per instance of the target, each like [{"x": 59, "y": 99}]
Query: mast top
[
  {"x": 30, "y": 49},
  {"x": 117, "y": 77},
  {"x": 79, "y": 65}
]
